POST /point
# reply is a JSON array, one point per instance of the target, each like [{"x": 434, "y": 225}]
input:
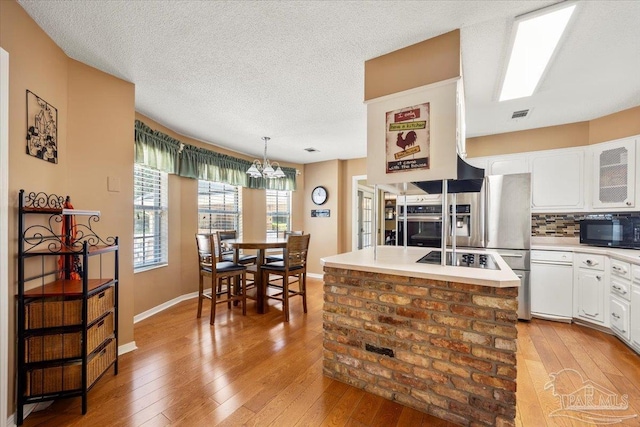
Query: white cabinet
[
  {"x": 506, "y": 165},
  {"x": 552, "y": 285},
  {"x": 635, "y": 318},
  {"x": 634, "y": 324},
  {"x": 591, "y": 290},
  {"x": 620, "y": 298},
  {"x": 594, "y": 177},
  {"x": 614, "y": 174},
  {"x": 620, "y": 317},
  {"x": 557, "y": 181},
  {"x": 479, "y": 162}
]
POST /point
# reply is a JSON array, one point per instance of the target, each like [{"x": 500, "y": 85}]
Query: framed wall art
[
  {"x": 408, "y": 138},
  {"x": 42, "y": 128}
]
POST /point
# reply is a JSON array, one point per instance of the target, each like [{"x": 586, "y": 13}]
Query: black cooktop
[{"x": 463, "y": 259}]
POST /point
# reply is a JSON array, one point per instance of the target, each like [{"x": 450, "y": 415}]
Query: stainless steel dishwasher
[{"x": 552, "y": 285}]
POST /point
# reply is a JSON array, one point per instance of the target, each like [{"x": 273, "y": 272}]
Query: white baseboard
[
  {"x": 126, "y": 348},
  {"x": 315, "y": 275},
  {"x": 157, "y": 309},
  {"x": 28, "y": 408}
]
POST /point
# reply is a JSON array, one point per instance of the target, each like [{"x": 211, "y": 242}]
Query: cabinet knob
[
  {"x": 628, "y": 203},
  {"x": 598, "y": 278}
]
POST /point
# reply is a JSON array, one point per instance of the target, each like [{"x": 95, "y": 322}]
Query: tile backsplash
[{"x": 565, "y": 224}]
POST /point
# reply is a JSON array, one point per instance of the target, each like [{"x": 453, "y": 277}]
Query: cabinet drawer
[
  {"x": 620, "y": 317},
  {"x": 55, "y": 379},
  {"x": 620, "y": 269},
  {"x": 53, "y": 312},
  {"x": 51, "y": 347},
  {"x": 551, "y": 256},
  {"x": 99, "y": 332},
  {"x": 635, "y": 273},
  {"x": 593, "y": 262},
  {"x": 621, "y": 288}
]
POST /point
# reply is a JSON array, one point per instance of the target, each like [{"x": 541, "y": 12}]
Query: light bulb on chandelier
[{"x": 265, "y": 169}]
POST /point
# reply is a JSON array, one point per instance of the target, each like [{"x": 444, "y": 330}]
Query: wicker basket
[
  {"x": 99, "y": 304},
  {"x": 54, "y": 379},
  {"x": 69, "y": 377},
  {"x": 51, "y": 347},
  {"x": 101, "y": 362},
  {"x": 99, "y": 332},
  {"x": 47, "y": 313},
  {"x": 50, "y": 313}
]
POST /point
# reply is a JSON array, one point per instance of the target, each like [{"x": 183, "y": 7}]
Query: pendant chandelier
[{"x": 265, "y": 169}]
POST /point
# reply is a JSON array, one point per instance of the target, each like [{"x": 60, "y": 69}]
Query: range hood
[{"x": 469, "y": 180}]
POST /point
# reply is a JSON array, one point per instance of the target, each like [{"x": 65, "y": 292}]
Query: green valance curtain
[
  {"x": 155, "y": 149},
  {"x": 160, "y": 151}
]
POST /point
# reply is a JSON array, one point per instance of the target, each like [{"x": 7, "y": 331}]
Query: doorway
[{"x": 363, "y": 208}]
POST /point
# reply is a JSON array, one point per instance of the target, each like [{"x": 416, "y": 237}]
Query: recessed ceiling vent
[
  {"x": 520, "y": 114},
  {"x": 311, "y": 150}
]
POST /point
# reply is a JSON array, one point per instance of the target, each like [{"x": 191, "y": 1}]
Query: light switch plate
[{"x": 113, "y": 184}]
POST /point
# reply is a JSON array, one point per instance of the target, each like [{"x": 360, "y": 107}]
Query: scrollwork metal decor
[
  {"x": 43, "y": 201},
  {"x": 48, "y": 236}
]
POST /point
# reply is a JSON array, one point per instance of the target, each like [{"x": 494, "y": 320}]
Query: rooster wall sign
[{"x": 408, "y": 139}]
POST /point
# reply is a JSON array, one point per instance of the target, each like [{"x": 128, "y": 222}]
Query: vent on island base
[
  {"x": 521, "y": 114},
  {"x": 380, "y": 350}
]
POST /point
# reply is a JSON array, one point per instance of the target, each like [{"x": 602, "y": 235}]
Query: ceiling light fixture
[
  {"x": 265, "y": 169},
  {"x": 535, "y": 38}
]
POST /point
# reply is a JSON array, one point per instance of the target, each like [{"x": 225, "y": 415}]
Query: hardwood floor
[{"x": 258, "y": 371}]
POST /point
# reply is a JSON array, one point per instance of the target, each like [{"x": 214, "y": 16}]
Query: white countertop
[
  {"x": 573, "y": 245},
  {"x": 402, "y": 262}
]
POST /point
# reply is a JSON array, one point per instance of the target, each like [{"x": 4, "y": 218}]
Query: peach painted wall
[
  {"x": 615, "y": 126},
  {"x": 100, "y": 131},
  {"x": 88, "y": 150},
  {"x": 324, "y": 231},
  {"x": 430, "y": 61},
  {"x": 30, "y": 52}
]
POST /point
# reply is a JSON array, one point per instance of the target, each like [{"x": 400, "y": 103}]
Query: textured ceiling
[{"x": 230, "y": 72}]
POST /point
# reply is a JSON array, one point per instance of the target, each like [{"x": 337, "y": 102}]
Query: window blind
[
  {"x": 278, "y": 213},
  {"x": 150, "y": 237},
  {"x": 219, "y": 207}
]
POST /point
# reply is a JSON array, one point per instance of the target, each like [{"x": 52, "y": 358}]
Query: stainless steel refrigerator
[
  {"x": 499, "y": 218},
  {"x": 507, "y": 224}
]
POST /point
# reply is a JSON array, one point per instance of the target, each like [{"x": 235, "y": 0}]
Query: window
[
  {"x": 278, "y": 213},
  {"x": 150, "y": 230},
  {"x": 219, "y": 207}
]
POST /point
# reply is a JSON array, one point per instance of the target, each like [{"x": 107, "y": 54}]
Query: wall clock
[{"x": 319, "y": 195}]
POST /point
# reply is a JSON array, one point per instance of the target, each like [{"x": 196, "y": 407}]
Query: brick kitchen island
[{"x": 439, "y": 339}]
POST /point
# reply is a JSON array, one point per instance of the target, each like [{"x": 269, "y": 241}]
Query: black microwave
[{"x": 611, "y": 232}]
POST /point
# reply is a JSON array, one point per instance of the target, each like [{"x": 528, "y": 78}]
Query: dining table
[{"x": 260, "y": 245}]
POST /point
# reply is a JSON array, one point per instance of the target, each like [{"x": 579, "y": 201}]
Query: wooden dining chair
[
  {"x": 294, "y": 264},
  {"x": 209, "y": 266},
  {"x": 226, "y": 254},
  {"x": 278, "y": 257}
]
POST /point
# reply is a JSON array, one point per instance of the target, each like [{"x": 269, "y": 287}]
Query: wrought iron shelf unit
[{"x": 67, "y": 322}]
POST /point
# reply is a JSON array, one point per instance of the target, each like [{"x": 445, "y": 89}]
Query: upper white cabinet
[
  {"x": 508, "y": 164},
  {"x": 596, "y": 177},
  {"x": 614, "y": 174},
  {"x": 557, "y": 181}
]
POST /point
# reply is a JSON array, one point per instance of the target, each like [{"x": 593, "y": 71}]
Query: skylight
[{"x": 536, "y": 37}]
